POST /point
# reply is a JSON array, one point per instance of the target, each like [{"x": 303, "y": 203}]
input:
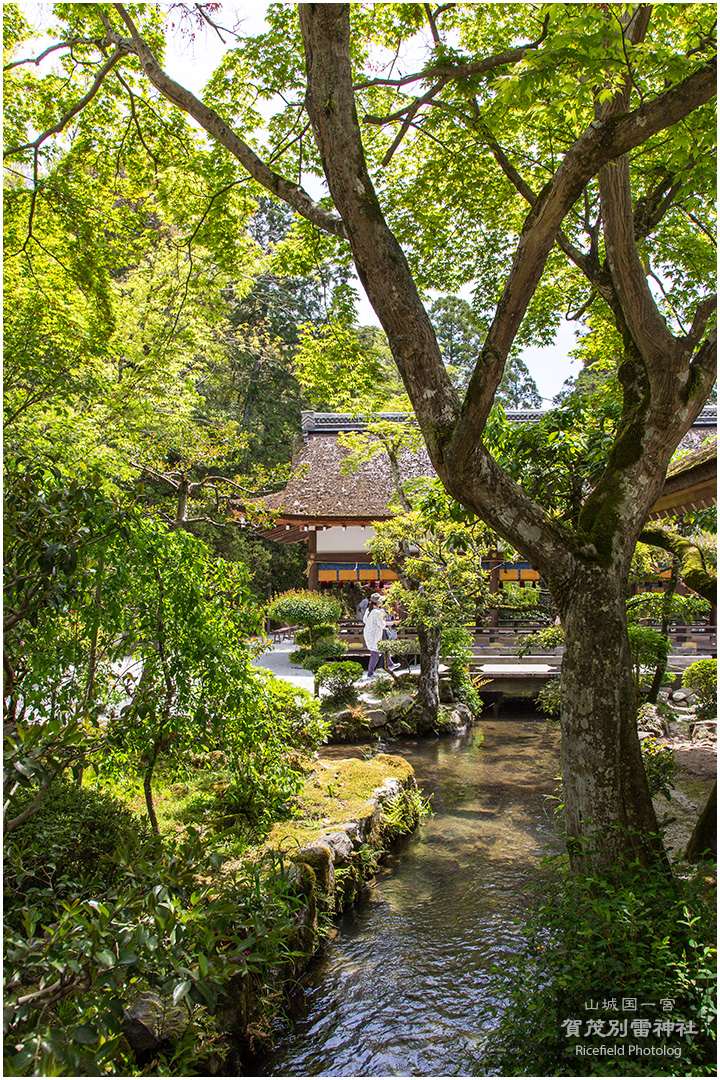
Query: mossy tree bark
[
  {"x": 695, "y": 569},
  {"x": 605, "y": 792},
  {"x": 428, "y": 697}
]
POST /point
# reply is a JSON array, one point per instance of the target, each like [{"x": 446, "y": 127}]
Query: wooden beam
[{"x": 312, "y": 561}]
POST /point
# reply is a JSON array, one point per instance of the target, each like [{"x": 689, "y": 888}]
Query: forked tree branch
[
  {"x": 453, "y": 434},
  {"x": 293, "y": 194}
]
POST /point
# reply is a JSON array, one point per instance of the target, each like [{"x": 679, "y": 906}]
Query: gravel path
[{"x": 276, "y": 660}]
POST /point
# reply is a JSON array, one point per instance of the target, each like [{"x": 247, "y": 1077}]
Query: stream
[{"x": 407, "y": 985}]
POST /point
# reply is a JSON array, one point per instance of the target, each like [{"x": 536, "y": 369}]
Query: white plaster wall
[{"x": 351, "y": 539}]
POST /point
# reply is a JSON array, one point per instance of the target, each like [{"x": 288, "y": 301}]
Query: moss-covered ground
[{"x": 334, "y": 793}]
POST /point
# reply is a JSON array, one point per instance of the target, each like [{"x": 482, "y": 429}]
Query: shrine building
[{"x": 333, "y": 512}]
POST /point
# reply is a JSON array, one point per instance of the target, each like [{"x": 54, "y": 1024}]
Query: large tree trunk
[
  {"x": 427, "y": 702},
  {"x": 609, "y": 813},
  {"x": 703, "y": 842}
]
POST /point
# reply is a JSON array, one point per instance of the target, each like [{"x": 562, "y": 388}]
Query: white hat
[{"x": 378, "y": 598}]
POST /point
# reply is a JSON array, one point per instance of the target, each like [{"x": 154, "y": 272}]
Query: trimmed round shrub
[
  {"x": 301, "y": 607},
  {"x": 701, "y": 678},
  {"x": 339, "y": 680}
]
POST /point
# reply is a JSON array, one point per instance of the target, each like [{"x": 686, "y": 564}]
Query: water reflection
[{"x": 406, "y": 986}]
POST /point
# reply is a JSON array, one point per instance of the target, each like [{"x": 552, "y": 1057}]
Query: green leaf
[
  {"x": 181, "y": 990},
  {"x": 85, "y": 1035}
]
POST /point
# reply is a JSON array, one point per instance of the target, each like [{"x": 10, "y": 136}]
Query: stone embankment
[
  {"x": 366, "y": 805},
  {"x": 352, "y": 811}
]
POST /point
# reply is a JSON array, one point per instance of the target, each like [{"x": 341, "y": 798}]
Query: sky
[{"x": 191, "y": 63}]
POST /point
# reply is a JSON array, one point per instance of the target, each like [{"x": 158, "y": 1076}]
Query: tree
[
  {"x": 460, "y": 337},
  {"x": 56, "y": 654},
  {"x": 437, "y": 549},
  {"x": 552, "y": 152}
]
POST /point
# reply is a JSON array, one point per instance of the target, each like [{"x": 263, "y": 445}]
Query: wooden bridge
[{"x": 494, "y": 657}]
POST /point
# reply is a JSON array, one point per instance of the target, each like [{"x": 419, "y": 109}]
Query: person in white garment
[{"x": 375, "y": 624}]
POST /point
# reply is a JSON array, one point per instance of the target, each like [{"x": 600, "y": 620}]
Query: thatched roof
[{"x": 321, "y": 490}]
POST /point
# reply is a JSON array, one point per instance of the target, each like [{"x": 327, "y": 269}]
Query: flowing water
[{"x": 407, "y": 986}]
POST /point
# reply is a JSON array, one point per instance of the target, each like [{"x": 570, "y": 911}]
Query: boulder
[
  {"x": 351, "y": 830},
  {"x": 341, "y": 846},
  {"x": 464, "y": 714},
  {"x": 704, "y": 731},
  {"x": 376, "y": 718},
  {"x": 319, "y": 856},
  {"x": 388, "y": 790},
  {"x": 650, "y": 722},
  {"x": 396, "y": 706}
]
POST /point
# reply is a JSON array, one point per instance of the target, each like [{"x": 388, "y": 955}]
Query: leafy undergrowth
[
  {"x": 616, "y": 977},
  {"x": 99, "y": 910}
]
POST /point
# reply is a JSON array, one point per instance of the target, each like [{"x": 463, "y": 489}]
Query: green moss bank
[{"x": 350, "y": 812}]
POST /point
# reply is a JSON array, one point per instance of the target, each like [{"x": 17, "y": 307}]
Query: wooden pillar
[
  {"x": 312, "y": 565},
  {"x": 494, "y": 585}
]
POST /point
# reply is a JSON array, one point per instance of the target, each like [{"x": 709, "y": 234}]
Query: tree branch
[
  {"x": 603, "y": 141},
  {"x": 120, "y": 51},
  {"x": 693, "y": 568},
  {"x": 37, "y": 60},
  {"x": 407, "y": 122},
  {"x": 650, "y": 210},
  {"x": 284, "y": 189},
  {"x": 463, "y": 71},
  {"x": 31, "y": 809},
  {"x": 700, "y": 320}
]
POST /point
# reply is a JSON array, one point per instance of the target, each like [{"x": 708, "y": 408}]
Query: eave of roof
[{"x": 691, "y": 483}]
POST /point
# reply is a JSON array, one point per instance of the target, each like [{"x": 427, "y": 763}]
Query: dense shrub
[
  {"x": 301, "y": 607},
  {"x": 262, "y": 744},
  {"x": 549, "y": 698},
  {"x": 660, "y": 767},
  {"x": 701, "y": 678},
  {"x": 171, "y": 926},
  {"x": 293, "y": 712},
  {"x": 552, "y": 637},
  {"x": 339, "y": 681},
  {"x": 635, "y": 934},
  {"x": 464, "y": 687},
  {"x": 66, "y": 848}
]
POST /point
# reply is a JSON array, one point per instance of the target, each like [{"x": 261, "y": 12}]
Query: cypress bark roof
[
  {"x": 690, "y": 483},
  {"x": 322, "y": 491}
]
